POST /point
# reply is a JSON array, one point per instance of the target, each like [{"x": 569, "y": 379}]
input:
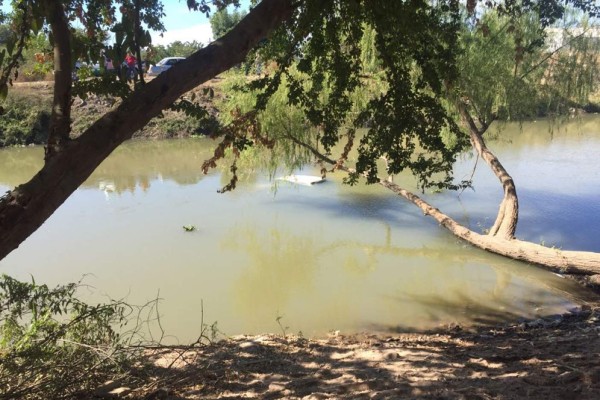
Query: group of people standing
[{"x": 128, "y": 70}]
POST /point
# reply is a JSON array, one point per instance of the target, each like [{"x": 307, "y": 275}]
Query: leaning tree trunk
[
  {"x": 25, "y": 209},
  {"x": 501, "y": 237},
  {"x": 560, "y": 261},
  {"x": 508, "y": 214}
]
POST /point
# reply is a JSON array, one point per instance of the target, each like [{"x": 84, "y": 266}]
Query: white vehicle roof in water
[{"x": 306, "y": 180}]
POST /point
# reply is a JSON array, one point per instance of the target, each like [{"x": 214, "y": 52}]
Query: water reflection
[
  {"x": 464, "y": 309},
  {"x": 134, "y": 165},
  {"x": 278, "y": 267},
  {"x": 323, "y": 257},
  {"x": 383, "y": 285}
]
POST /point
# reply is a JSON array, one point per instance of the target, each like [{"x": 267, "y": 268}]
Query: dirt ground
[
  {"x": 551, "y": 358},
  {"x": 84, "y": 112}
]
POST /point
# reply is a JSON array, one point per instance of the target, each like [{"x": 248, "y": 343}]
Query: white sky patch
[{"x": 201, "y": 33}]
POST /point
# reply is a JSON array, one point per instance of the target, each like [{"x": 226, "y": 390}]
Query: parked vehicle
[{"x": 163, "y": 65}]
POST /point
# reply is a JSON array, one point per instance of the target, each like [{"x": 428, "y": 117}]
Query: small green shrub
[
  {"x": 24, "y": 121},
  {"x": 53, "y": 345},
  {"x": 177, "y": 124}
]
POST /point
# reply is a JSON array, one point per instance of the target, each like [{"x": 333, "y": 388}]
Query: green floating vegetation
[{"x": 189, "y": 228}]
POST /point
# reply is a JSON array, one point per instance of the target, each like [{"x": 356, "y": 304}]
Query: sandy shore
[{"x": 552, "y": 358}]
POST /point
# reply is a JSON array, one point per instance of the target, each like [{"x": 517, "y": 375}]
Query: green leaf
[
  {"x": 10, "y": 45},
  {"x": 3, "y": 91},
  {"x": 147, "y": 39},
  {"x": 189, "y": 228},
  {"x": 37, "y": 23}
]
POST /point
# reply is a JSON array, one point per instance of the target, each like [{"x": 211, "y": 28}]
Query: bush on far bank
[{"x": 25, "y": 120}]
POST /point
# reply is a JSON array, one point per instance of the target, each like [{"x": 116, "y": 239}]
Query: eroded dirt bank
[{"x": 552, "y": 358}]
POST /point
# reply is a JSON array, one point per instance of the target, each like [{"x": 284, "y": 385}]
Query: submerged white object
[
  {"x": 306, "y": 180},
  {"x": 107, "y": 186}
]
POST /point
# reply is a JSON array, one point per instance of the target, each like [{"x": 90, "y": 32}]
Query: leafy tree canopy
[
  {"x": 223, "y": 21},
  {"x": 322, "y": 61},
  {"x": 175, "y": 49}
]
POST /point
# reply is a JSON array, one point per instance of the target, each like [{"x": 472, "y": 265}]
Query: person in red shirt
[{"x": 130, "y": 61}]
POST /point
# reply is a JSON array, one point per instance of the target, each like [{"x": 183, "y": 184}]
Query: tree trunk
[
  {"x": 508, "y": 214},
  {"x": 560, "y": 261},
  {"x": 137, "y": 29},
  {"x": 60, "y": 120},
  {"x": 25, "y": 209}
]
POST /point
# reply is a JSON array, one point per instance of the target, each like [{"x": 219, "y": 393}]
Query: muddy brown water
[{"x": 319, "y": 258}]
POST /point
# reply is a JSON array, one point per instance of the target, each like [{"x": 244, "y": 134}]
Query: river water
[{"x": 313, "y": 259}]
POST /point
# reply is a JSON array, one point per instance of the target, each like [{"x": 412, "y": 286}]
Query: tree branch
[
  {"x": 536, "y": 66},
  {"x": 13, "y": 64}
]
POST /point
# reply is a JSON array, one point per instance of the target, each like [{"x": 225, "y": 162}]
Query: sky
[{"x": 185, "y": 25}]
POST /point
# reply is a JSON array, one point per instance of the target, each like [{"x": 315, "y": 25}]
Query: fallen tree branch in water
[{"x": 555, "y": 260}]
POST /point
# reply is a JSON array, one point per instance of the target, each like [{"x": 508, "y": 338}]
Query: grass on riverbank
[
  {"x": 53, "y": 345},
  {"x": 25, "y": 120}
]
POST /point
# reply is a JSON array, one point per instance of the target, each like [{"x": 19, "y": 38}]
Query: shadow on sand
[{"x": 552, "y": 358}]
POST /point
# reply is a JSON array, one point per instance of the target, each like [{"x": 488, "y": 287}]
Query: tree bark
[
  {"x": 25, "y": 209},
  {"x": 560, "y": 261},
  {"x": 60, "y": 120},
  {"x": 137, "y": 28},
  {"x": 508, "y": 214}
]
